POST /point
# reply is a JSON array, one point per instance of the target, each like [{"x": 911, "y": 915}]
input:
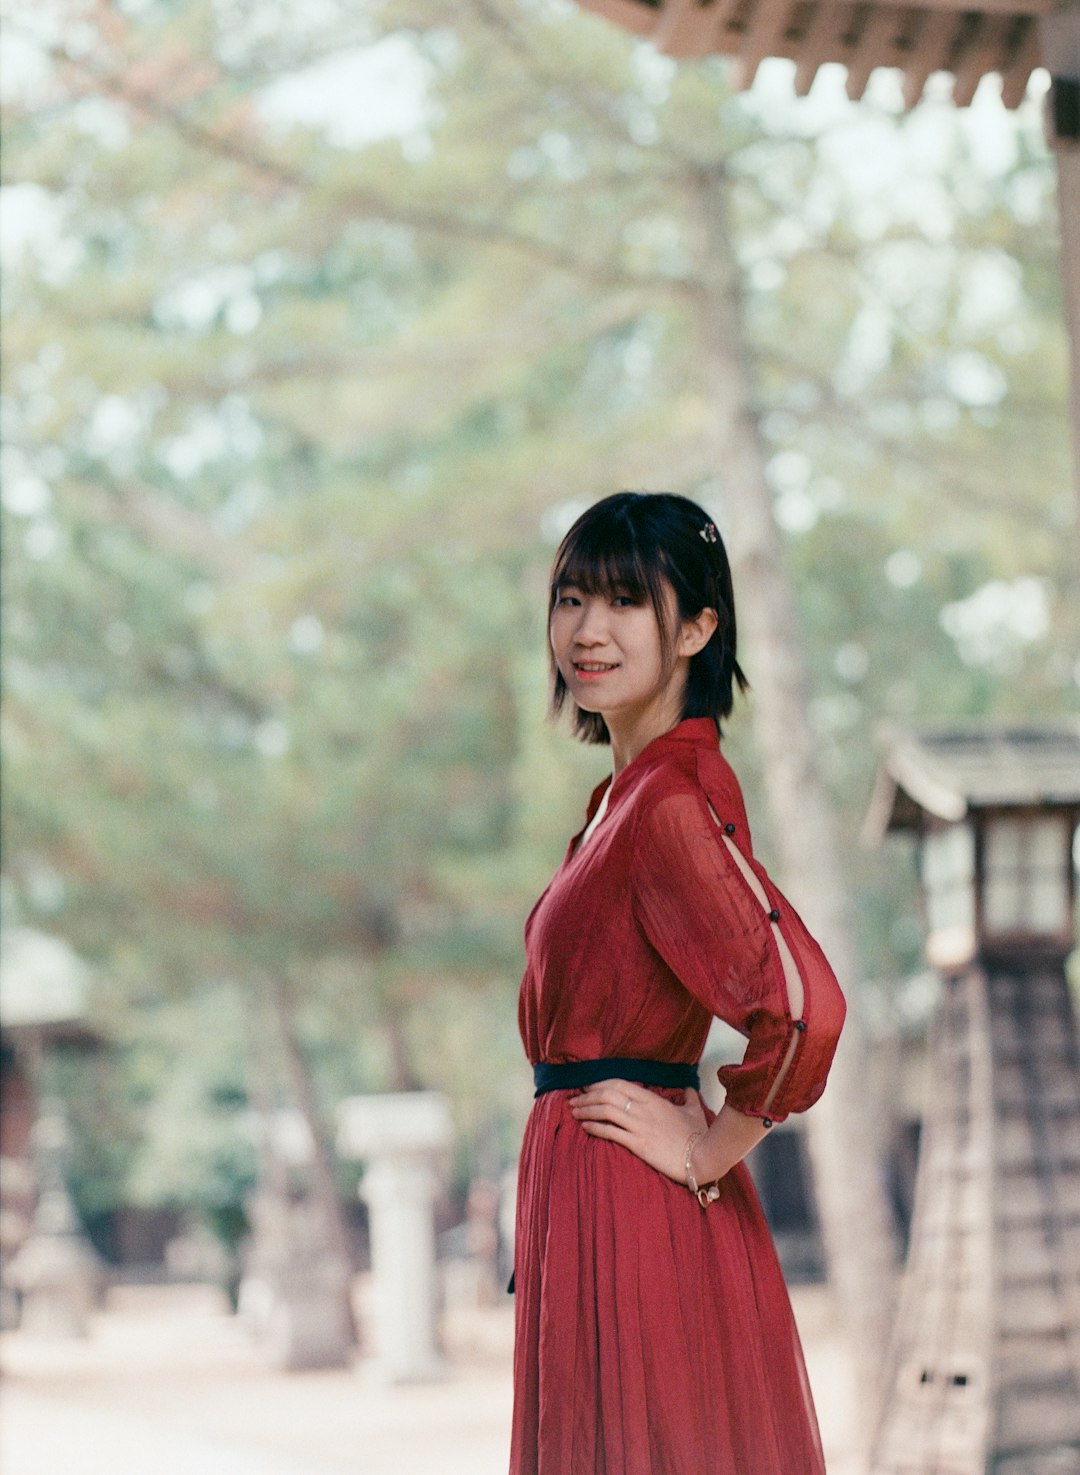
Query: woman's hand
[{"x": 652, "y": 1127}]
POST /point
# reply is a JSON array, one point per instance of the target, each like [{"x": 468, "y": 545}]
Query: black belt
[{"x": 575, "y": 1073}]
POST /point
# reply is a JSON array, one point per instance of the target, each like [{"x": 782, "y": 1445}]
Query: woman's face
[{"x": 609, "y": 651}]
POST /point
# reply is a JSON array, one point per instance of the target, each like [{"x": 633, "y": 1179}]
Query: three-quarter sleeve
[{"x": 697, "y": 906}]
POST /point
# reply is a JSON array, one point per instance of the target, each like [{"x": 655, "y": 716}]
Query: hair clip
[{"x": 709, "y": 533}]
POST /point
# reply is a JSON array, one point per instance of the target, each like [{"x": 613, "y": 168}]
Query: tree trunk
[
  {"x": 323, "y": 1183},
  {"x": 857, "y": 1227},
  {"x": 403, "y": 1077}
]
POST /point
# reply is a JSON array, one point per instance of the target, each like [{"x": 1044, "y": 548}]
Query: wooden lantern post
[{"x": 984, "y": 1374}]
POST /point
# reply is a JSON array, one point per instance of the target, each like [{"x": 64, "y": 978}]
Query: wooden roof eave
[
  {"x": 949, "y": 771},
  {"x": 970, "y": 38},
  {"x": 903, "y": 791}
]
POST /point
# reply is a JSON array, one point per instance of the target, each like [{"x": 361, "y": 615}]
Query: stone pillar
[{"x": 402, "y": 1139}]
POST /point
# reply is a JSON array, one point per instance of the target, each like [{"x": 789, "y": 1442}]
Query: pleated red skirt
[{"x": 652, "y": 1337}]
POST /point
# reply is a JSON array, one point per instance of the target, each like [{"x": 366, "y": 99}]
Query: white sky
[{"x": 357, "y": 96}]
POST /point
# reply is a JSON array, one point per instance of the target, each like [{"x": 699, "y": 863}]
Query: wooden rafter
[
  {"x": 877, "y": 40},
  {"x": 763, "y": 37},
  {"x": 821, "y": 42},
  {"x": 1017, "y": 71},
  {"x": 971, "y": 38}
]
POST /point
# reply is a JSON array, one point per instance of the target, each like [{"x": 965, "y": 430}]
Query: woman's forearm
[{"x": 726, "y": 1143}]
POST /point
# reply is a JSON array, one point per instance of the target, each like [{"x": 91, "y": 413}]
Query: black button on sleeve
[{"x": 766, "y": 1121}]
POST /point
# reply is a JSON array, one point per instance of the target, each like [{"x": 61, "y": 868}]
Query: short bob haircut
[{"x": 631, "y": 543}]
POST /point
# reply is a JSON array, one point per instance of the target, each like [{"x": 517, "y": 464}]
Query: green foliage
[{"x": 291, "y": 428}]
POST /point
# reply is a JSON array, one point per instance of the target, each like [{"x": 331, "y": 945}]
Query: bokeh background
[{"x": 321, "y": 323}]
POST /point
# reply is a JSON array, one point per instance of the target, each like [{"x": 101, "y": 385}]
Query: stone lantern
[
  {"x": 994, "y": 815},
  {"x": 984, "y": 1371},
  {"x": 46, "y": 1256}
]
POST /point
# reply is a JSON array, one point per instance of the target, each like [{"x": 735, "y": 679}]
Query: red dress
[{"x": 654, "y": 1337}]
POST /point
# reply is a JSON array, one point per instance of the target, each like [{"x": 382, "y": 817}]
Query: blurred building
[{"x": 984, "y": 1374}]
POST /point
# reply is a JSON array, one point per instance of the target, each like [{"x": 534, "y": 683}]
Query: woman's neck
[{"x": 632, "y": 732}]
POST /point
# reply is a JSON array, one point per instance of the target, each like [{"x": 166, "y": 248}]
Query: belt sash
[{"x": 576, "y": 1073}]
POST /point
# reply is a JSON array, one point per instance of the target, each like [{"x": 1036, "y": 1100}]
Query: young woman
[{"x": 654, "y": 1335}]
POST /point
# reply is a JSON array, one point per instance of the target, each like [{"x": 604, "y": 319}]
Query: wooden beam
[
  {"x": 933, "y": 52},
  {"x": 822, "y": 42},
  {"x": 684, "y": 29},
  {"x": 768, "y": 22},
  {"x": 1017, "y": 71},
  {"x": 874, "y": 48},
  {"x": 984, "y": 51},
  {"x": 724, "y": 38}
]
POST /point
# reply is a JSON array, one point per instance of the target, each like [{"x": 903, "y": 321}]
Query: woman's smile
[{"x": 590, "y": 670}]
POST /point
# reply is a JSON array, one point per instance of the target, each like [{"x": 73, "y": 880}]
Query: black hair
[{"x": 632, "y": 543}]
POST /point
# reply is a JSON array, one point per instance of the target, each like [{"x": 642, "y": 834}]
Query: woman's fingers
[
  {"x": 613, "y": 1093},
  {"x": 608, "y": 1130},
  {"x": 605, "y": 1106},
  {"x": 611, "y": 1107},
  {"x": 593, "y": 1109}
]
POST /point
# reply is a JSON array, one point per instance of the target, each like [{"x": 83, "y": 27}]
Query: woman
[{"x": 654, "y": 1335}]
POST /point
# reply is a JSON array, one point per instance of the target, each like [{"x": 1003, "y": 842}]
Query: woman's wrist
[
  {"x": 705, "y": 1193},
  {"x": 691, "y": 1179},
  {"x": 729, "y": 1138}
]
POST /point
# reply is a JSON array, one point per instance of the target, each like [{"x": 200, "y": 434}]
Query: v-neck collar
[{"x": 699, "y": 732}]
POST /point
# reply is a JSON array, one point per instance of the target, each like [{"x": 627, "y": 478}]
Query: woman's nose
[{"x": 591, "y": 625}]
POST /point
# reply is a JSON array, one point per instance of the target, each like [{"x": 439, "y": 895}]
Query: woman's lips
[{"x": 593, "y": 670}]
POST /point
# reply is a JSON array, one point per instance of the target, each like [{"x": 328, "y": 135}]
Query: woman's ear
[{"x": 697, "y": 633}]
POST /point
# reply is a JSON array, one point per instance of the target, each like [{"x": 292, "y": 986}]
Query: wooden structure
[
  {"x": 968, "y": 38},
  {"x": 984, "y": 1375}
]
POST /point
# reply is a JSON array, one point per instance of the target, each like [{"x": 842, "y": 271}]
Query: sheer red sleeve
[{"x": 711, "y": 912}]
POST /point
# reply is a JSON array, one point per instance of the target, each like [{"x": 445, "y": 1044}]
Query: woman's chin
[{"x": 592, "y": 701}]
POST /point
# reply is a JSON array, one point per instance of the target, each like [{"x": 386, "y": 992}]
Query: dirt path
[{"x": 170, "y": 1384}]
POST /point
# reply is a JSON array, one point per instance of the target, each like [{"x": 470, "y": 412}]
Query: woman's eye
[
  {"x": 625, "y": 600},
  {"x": 567, "y": 599}
]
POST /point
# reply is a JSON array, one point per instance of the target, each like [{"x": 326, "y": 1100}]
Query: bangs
[{"x": 606, "y": 561}]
